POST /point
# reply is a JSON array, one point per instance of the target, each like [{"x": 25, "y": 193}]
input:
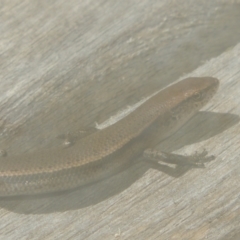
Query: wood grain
[{"x": 66, "y": 64}]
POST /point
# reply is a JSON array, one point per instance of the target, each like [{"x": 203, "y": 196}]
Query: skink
[{"x": 110, "y": 150}]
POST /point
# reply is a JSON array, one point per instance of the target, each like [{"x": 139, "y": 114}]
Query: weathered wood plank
[{"x": 66, "y": 64}]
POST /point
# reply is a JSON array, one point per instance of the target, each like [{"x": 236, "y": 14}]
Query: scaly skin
[{"x": 109, "y": 150}]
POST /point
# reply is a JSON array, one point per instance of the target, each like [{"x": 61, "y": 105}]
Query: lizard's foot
[{"x": 196, "y": 160}]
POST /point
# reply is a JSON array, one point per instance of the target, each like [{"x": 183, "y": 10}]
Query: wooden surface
[{"x": 66, "y": 64}]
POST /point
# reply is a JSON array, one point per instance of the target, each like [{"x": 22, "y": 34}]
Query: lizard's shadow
[{"x": 202, "y": 126}]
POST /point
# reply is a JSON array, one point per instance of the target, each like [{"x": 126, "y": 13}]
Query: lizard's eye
[{"x": 197, "y": 96}]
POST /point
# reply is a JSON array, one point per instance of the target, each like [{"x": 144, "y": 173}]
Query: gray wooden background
[{"x": 65, "y": 65}]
